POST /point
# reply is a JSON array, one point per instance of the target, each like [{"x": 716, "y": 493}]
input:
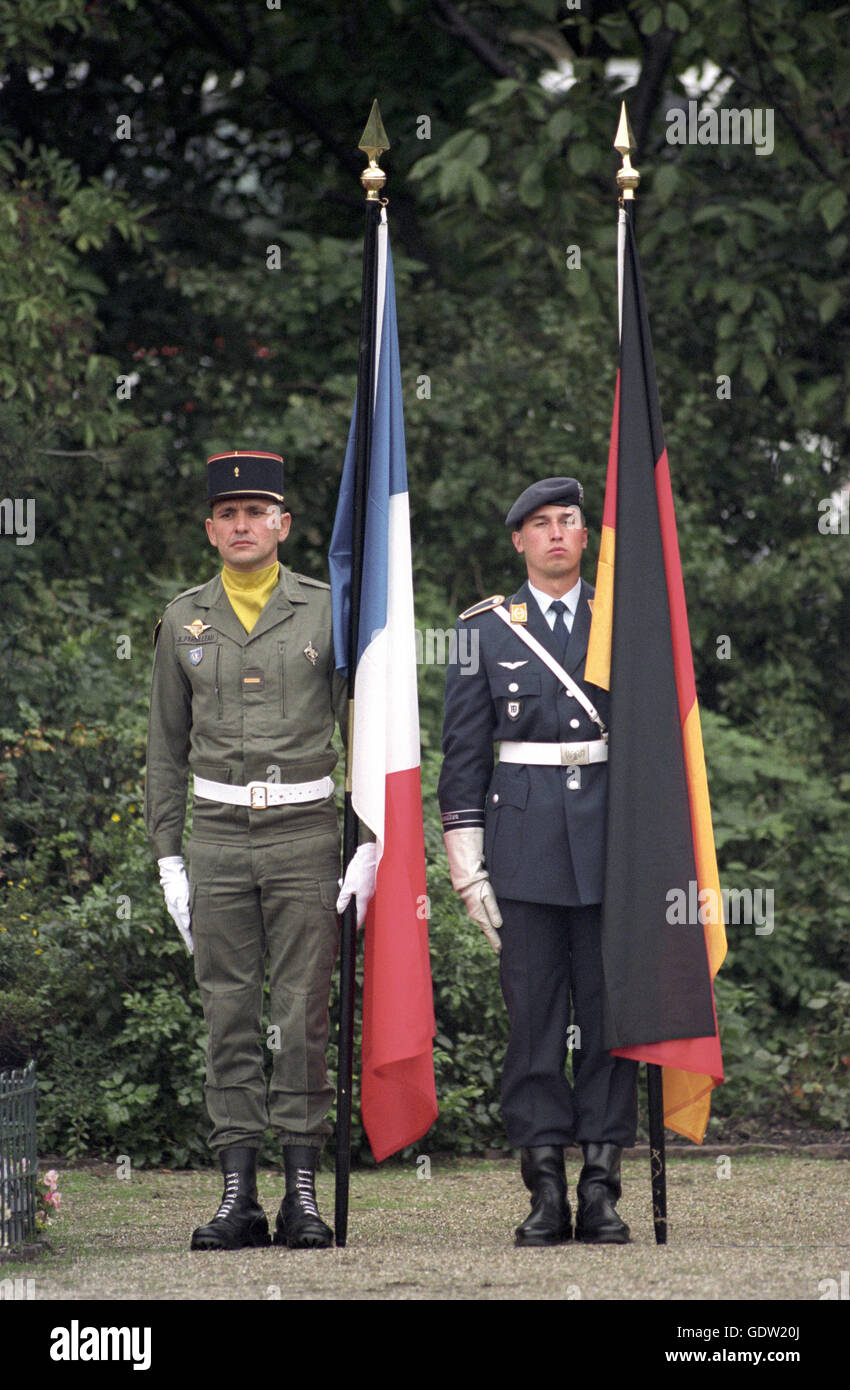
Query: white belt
[
  {"x": 554, "y": 754},
  {"x": 259, "y": 795}
]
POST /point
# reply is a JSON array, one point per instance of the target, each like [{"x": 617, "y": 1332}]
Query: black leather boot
[
  {"x": 598, "y": 1189},
  {"x": 240, "y": 1220},
  {"x": 299, "y": 1224},
  {"x": 550, "y": 1220}
]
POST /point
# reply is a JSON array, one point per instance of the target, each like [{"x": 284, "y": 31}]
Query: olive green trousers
[{"x": 256, "y": 904}]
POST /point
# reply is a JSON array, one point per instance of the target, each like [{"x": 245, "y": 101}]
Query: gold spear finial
[
  {"x": 373, "y": 142},
  {"x": 628, "y": 178}
]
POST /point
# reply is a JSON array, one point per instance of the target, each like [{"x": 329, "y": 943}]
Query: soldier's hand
[
  {"x": 359, "y": 881},
  {"x": 470, "y": 879},
  {"x": 480, "y": 902},
  {"x": 175, "y": 886}
]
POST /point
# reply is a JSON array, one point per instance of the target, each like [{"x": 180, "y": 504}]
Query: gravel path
[{"x": 775, "y": 1228}]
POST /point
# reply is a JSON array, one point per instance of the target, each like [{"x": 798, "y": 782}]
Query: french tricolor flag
[{"x": 398, "y": 1098}]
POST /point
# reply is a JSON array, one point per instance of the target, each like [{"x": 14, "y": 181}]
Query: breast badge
[
  {"x": 196, "y": 628},
  {"x": 311, "y": 654}
]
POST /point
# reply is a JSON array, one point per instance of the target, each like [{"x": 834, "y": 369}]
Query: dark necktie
[{"x": 561, "y": 632}]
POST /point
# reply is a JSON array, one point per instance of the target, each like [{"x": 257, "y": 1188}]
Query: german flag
[{"x": 663, "y": 938}]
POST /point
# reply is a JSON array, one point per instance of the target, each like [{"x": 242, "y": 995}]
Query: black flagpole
[
  {"x": 657, "y": 1159},
  {"x": 628, "y": 179},
  {"x": 362, "y": 454}
]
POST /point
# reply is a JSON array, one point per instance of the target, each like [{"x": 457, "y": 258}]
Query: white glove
[
  {"x": 175, "y": 886},
  {"x": 359, "y": 881},
  {"x": 465, "y": 849}
]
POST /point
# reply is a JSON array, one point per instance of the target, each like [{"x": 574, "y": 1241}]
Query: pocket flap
[
  {"x": 213, "y": 772},
  {"x": 513, "y": 685},
  {"x": 509, "y": 787}
]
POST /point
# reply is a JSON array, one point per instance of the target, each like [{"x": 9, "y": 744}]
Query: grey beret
[{"x": 548, "y": 492}]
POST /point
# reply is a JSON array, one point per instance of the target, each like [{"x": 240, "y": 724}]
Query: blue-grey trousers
[{"x": 551, "y": 976}]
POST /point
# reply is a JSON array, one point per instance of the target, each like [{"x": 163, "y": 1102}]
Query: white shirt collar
[{"x": 570, "y": 598}]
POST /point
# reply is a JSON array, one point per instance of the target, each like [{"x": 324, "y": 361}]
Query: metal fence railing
[{"x": 18, "y": 1157}]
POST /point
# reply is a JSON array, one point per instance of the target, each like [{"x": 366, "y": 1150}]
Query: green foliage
[
  {"x": 94, "y": 983},
  {"x": 781, "y": 832},
  {"x": 25, "y": 25},
  {"x": 793, "y": 1074},
  {"x": 470, "y": 1015},
  {"x": 49, "y": 359}
]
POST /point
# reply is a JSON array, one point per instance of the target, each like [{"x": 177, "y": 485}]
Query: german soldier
[{"x": 526, "y": 846}]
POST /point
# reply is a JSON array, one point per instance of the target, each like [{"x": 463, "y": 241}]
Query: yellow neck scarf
[{"x": 249, "y": 592}]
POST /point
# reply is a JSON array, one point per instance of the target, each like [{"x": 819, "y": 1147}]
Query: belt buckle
[
  {"x": 571, "y": 755},
  {"x": 258, "y": 794}
]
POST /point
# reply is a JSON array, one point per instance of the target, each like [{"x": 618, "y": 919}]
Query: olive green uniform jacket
[{"x": 238, "y": 707}]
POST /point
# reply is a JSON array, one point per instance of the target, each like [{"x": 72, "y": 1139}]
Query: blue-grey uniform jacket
[{"x": 544, "y": 827}]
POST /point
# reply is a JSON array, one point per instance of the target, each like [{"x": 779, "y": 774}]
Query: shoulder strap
[
  {"x": 483, "y": 607},
  {"x": 185, "y": 594},
  {"x": 308, "y": 579},
  {"x": 556, "y": 669}
]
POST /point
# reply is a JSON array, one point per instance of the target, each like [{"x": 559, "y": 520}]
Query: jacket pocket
[
  {"x": 213, "y": 772},
  {"x": 515, "y": 693},
  {"x": 509, "y": 787},
  {"x": 202, "y": 666},
  {"x": 512, "y": 685},
  {"x": 504, "y": 819}
]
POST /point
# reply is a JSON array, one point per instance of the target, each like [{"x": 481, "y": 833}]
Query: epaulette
[
  {"x": 305, "y": 579},
  {"x": 185, "y": 594},
  {"x": 483, "y": 607}
]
